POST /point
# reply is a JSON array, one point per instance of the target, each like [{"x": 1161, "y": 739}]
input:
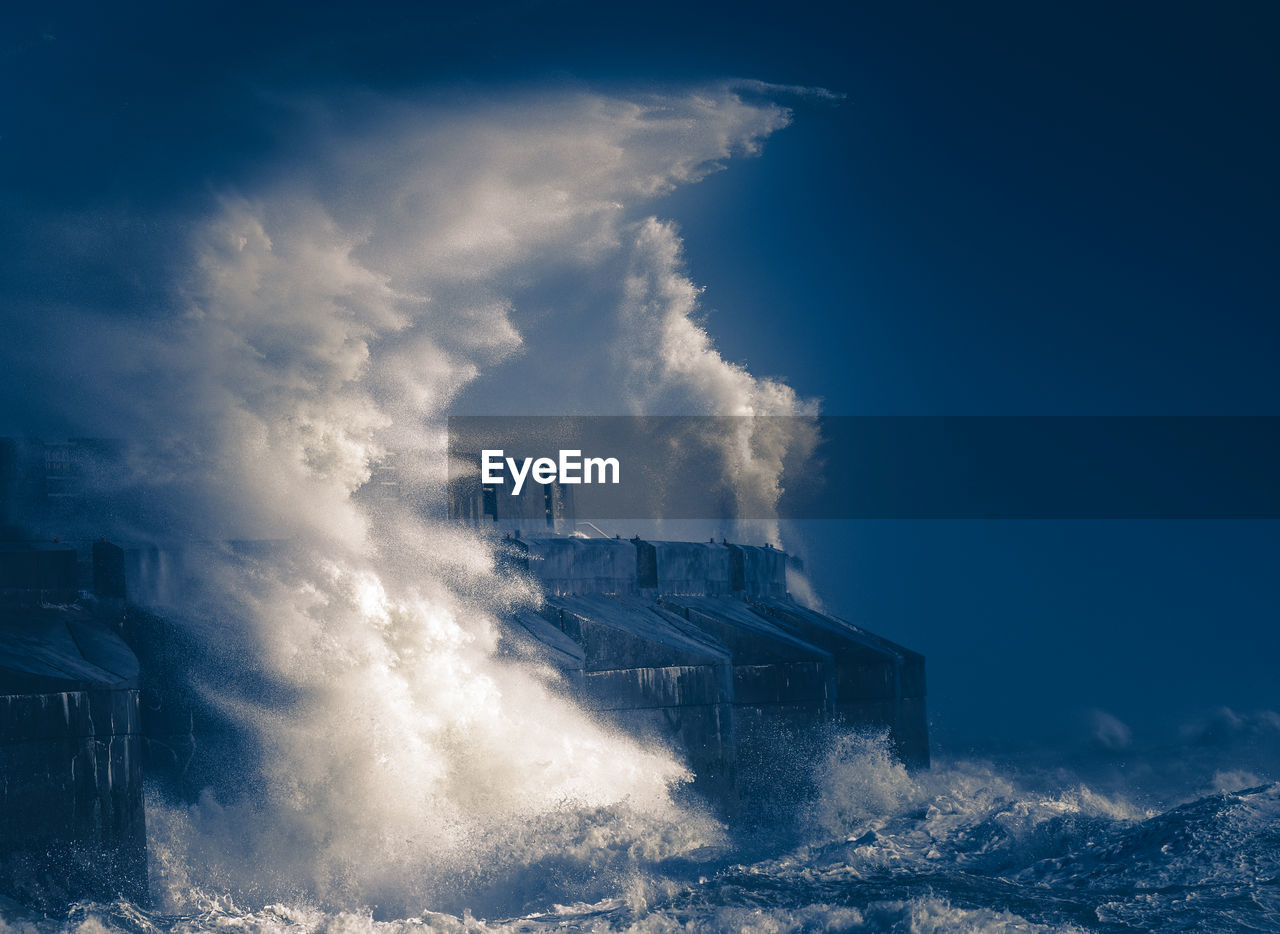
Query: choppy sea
[{"x": 969, "y": 845}]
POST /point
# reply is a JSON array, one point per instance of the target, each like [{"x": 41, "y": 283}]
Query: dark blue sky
[
  {"x": 1019, "y": 208},
  {"x": 1029, "y": 208}
]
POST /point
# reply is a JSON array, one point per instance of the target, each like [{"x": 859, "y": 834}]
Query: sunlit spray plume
[
  {"x": 670, "y": 365},
  {"x": 326, "y": 315}
]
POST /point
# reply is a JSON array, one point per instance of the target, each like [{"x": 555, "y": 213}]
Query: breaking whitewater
[{"x": 963, "y": 847}]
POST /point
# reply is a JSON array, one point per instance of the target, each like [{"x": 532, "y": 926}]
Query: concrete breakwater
[
  {"x": 700, "y": 646},
  {"x": 695, "y": 645}
]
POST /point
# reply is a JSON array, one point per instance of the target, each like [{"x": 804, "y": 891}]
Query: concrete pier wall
[
  {"x": 652, "y": 674},
  {"x": 700, "y": 646},
  {"x": 71, "y": 756},
  {"x": 581, "y": 566},
  {"x": 570, "y": 565},
  {"x": 878, "y": 683},
  {"x": 772, "y": 668},
  {"x": 693, "y": 568}
]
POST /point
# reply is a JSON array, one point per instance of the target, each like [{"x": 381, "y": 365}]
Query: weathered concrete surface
[
  {"x": 71, "y": 809},
  {"x": 878, "y": 683},
  {"x": 772, "y": 667},
  {"x": 764, "y": 571},
  {"x": 571, "y": 565},
  {"x": 656, "y": 676},
  {"x": 582, "y": 566},
  {"x": 532, "y": 639},
  {"x": 693, "y": 568},
  {"x": 746, "y": 681},
  {"x": 784, "y": 695},
  {"x": 642, "y": 669}
]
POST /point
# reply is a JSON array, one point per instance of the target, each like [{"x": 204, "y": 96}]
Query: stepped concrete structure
[{"x": 700, "y": 646}]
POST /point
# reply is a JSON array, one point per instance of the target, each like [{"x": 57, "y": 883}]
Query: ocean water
[{"x": 965, "y": 846}]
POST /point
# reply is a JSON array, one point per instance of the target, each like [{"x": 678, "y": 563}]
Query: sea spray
[
  {"x": 405, "y": 766},
  {"x": 388, "y": 760}
]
